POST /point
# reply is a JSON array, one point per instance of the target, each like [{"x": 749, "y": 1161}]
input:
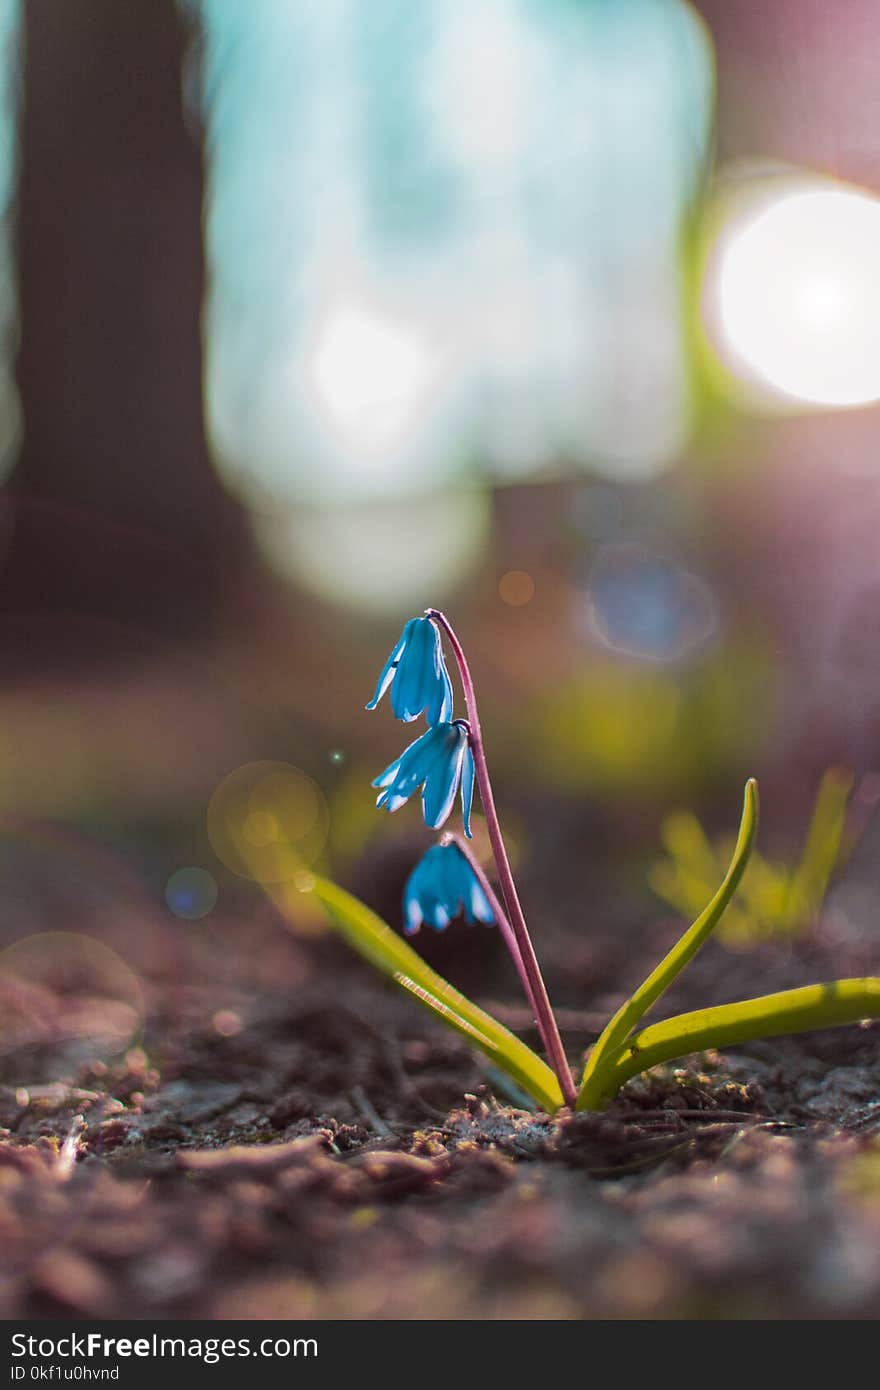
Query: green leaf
[
  {"x": 823, "y": 848},
  {"x": 630, "y": 1013},
  {"x": 388, "y": 952},
  {"x": 792, "y": 1011}
]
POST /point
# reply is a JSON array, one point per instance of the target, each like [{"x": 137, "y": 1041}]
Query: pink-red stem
[
  {"x": 498, "y": 912},
  {"x": 519, "y": 942}
]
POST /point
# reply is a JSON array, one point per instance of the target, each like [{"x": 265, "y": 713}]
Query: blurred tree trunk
[{"x": 116, "y": 511}]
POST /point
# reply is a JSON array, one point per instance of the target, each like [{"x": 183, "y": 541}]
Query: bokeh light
[
  {"x": 387, "y": 559},
  {"x": 793, "y": 298},
  {"x": 268, "y": 821},
  {"x": 516, "y": 588},
  {"x": 227, "y": 1023},
  {"x": 414, "y": 282},
  {"x": 372, "y": 378},
  {"x": 67, "y": 987},
  {"x": 647, "y": 605},
  {"x": 191, "y": 893}
]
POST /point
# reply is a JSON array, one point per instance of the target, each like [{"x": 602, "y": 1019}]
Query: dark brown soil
[{"x": 322, "y": 1149}]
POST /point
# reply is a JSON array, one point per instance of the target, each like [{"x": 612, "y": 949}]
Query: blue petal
[
  {"x": 413, "y": 914},
  {"x": 390, "y": 800},
  {"x": 417, "y": 675},
  {"x": 424, "y": 897},
  {"x": 407, "y": 697},
  {"x": 433, "y": 866},
  {"x": 479, "y": 904},
  {"x": 429, "y": 760},
  {"x": 460, "y": 877},
  {"x": 443, "y": 885},
  {"x": 422, "y": 761},
  {"x": 406, "y": 769},
  {"x": 468, "y": 890},
  {"x": 389, "y": 670},
  {"x": 441, "y": 917},
  {"x": 387, "y": 777},
  {"x": 442, "y": 782},
  {"x": 450, "y": 883},
  {"x": 467, "y": 790},
  {"x": 439, "y": 710}
]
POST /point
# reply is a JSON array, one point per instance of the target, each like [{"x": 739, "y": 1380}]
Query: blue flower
[
  {"x": 436, "y": 762},
  {"x": 442, "y": 885},
  {"x": 417, "y": 674}
]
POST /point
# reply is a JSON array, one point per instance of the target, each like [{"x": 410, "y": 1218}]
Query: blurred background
[{"x": 561, "y": 315}]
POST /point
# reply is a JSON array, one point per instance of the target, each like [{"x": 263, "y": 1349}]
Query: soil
[{"x": 313, "y": 1146}]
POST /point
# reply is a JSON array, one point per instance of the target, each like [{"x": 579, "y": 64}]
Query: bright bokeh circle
[
  {"x": 797, "y": 295},
  {"x": 387, "y": 559},
  {"x": 268, "y": 821}
]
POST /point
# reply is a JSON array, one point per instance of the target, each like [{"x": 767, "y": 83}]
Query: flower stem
[
  {"x": 524, "y": 956},
  {"x": 501, "y": 918}
]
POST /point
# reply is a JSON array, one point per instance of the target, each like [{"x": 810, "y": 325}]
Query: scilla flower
[
  {"x": 442, "y": 885},
  {"x": 437, "y": 762},
  {"x": 417, "y": 674}
]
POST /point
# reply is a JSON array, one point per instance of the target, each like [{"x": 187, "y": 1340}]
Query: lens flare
[
  {"x": 796, "y": 294},
  {"x": 191, "y": 893},
  {"x": 516, "y": 588},
  {"x": 267, "y": 821},
  {"x": 64, "y": 987},
  {"x": 646, "y": 605},
  {"x": 392, "y": 558},
  {"x": 371, "y": 377}
]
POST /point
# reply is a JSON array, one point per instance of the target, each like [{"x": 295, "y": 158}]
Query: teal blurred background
[{"x": 557, "y": 315}]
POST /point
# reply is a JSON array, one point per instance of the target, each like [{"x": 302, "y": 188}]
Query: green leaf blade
[
  {"x": 657, "y": 983},
  {"x": 384, "y": 949},
  {"x": 822, "y": 850},
  {"x": 803, "y": 1010}
]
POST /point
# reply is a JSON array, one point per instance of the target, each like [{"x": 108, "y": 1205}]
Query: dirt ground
[{"x": 318, "y": 1147}]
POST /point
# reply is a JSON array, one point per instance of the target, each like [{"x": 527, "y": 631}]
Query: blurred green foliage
[
  {"x": 631, "y": 730},
  {"x": 773, "y": 898}
]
